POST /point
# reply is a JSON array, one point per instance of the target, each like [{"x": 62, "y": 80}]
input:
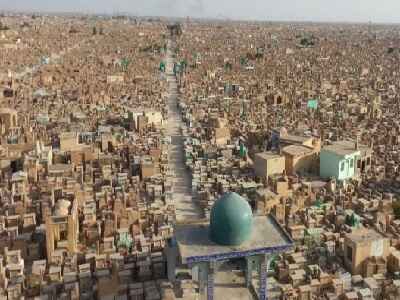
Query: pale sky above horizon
[{"x": 285, "y": 10}]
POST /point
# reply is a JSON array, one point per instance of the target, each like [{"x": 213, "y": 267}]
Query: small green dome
[{"x": 231, "y": 220}]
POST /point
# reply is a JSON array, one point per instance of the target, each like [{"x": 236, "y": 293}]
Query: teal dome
[{"x": 231, "y": 220}]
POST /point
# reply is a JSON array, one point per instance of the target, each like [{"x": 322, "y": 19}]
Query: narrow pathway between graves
[{"x": 185, "y": 208}]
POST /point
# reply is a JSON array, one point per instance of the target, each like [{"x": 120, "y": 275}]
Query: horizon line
[{"x": 214, "y": 18}]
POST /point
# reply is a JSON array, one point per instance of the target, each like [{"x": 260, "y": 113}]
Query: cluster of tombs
[
  {"x": 306, "y": 133},
  {"x": 85, "y": 186},
  {"x": 300, "y": 120}
]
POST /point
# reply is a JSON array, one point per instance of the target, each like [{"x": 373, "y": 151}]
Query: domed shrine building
[{"x": 233, "y": 241}]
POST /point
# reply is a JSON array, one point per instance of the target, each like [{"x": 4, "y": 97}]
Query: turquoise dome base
[{"x": 231, "y": 220}]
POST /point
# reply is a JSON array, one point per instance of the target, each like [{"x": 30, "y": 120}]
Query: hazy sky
[{"x": 296, "y": 10}]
